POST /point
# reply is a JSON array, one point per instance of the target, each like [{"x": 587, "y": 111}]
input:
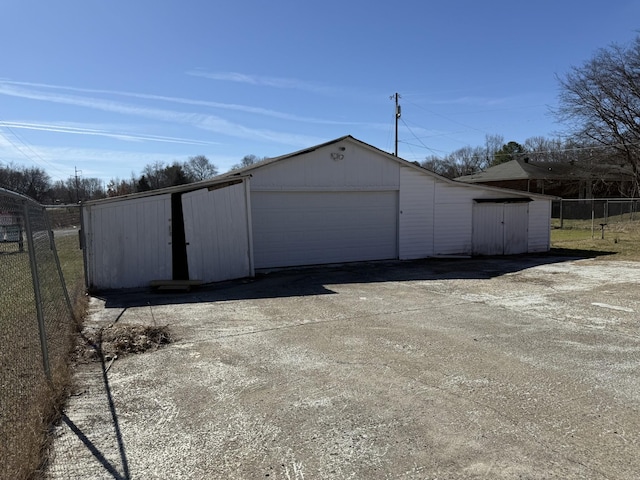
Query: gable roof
[
  {"x": 521, "y": 169},
  {"x": 245, "y": 172}
]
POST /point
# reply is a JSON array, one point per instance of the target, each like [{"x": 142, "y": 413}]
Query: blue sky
[{"x": 109, "y": 86}]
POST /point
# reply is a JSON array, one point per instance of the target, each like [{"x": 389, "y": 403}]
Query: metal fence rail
[
  {"x": 595, "y": 212},
  {"x": 36, "y": 333}
]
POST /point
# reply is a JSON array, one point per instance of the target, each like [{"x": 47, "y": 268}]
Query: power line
[
  {"x": 414, "y": 135},
  {"x": 448, "y": 119},
  {"x": 28, "y": 147}
]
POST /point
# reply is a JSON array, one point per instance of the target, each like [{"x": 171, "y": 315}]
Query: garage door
[{"x": 308, "y": 228}]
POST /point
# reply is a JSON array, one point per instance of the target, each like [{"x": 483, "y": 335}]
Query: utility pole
[
  {"x": 396, "y": 96},
  {"x": 77, "y": 185}
]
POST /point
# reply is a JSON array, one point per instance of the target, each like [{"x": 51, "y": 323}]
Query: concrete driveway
[{"x": 491, "y": 368}]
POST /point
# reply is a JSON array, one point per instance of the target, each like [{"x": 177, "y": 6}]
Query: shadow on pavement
[
  {"x": 310, "y": 281},
  {"x": 118, "y": 472}
]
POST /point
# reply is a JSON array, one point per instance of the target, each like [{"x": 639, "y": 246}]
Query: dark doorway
[{"x": 178, "y": 240}]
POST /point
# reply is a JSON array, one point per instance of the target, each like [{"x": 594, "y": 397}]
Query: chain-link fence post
[{"x": 36, "y": 290}]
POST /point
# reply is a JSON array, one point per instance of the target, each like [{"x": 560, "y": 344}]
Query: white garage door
[{"x": 308, "y": 228}]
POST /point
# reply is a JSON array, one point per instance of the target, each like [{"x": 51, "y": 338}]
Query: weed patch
[{"x": 120, "y": 340}]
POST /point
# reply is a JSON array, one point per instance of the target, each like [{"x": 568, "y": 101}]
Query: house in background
[
  {"x": 566, "y": 180},
  {"x": 341, "y": 201}
]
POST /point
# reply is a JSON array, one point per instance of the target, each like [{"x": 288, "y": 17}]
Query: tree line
[
  {"x": 469, "y": 160},
  {"x": 160, "y": 175},
  {"x": 34, "y": 182}
]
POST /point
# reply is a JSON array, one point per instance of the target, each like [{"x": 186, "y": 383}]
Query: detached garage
[
  {"x": 342, "y": 201},
  {"x": 347, "y": 201}
]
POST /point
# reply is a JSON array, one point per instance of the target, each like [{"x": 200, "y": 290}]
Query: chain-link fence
[
  {"x": 594, "y": 213},
  {"x": 36, "y": 334}
]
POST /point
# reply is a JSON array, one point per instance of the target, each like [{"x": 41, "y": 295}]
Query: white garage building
[{"x": 342, "y": 201}]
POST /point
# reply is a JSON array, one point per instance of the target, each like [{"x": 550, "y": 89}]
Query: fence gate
[{"x": 500, "y": 227}]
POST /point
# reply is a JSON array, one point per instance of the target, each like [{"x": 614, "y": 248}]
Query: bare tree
[
  {"x": 492, "y": 144},
  {"x": 31, "y": 181},
  {"x": 464, "y": 161},
  {"x": 154, "y": 173},
  {"x": 600, "y": 101},
  {"x": 117, "y": 186},
  {"x": 247, "y": 161},
  {"x": 200, "y": 168}
]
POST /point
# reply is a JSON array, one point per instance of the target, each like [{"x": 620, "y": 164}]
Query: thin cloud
[
  {"x": 206, "y": 122},
  {"x": 103, "y": 133},
  {"x": 185, "y": 101},
  {"x": 274, "y": 82}
]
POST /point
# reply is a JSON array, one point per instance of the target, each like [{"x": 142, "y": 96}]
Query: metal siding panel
[
  {"x": 452, "y": 219},
  {"x": 359, "y": 168},
  {"x": 416, "y": 214},
  {"x": 130, "y": 243},
  {"x": 539, "y": 226},
  {"x": 306, "y": 228},
  {"x": 452, "y": 229}
]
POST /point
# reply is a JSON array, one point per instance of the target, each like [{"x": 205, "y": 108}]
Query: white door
[
  {"x": 500, "y": 228},
  {"x": 516, "y": 228},
  {"x": 216, "y": 232},
  {"x": 308, "y": 228}
]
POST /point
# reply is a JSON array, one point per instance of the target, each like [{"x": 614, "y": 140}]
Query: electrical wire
[
  {"x": 539, "y": 152},
  {"x": 414, "y": 135},
  {"x": 28, "y": 147}
]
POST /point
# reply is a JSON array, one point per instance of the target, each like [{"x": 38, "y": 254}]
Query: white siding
[
  {"x": 416, "y": 214},
  {"x": 307, "y": 228},
  {"x": 452, "y": 219},
  {"x": 216, "y": 230},
  {"x": 129, "y": 242},
  {"x": 324, "y": 170},
  {"x": 540, "y": 226}
]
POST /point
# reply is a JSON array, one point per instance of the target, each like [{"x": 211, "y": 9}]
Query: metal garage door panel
[{"x": 307, "y": 228}]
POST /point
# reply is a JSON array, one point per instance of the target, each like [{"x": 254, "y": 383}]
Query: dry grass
[
  {"x": 116, "y": 341},
  {"x": 621, "y": 240},
  {"x": 31, "y": 402}
]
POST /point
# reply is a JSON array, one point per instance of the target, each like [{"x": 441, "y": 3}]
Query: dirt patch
[{"x": 118, "y": 340}]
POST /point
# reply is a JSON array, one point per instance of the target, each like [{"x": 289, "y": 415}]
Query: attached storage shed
[
  {"x": 342, "y": 201},
  {"x": 200, "y": 231}
]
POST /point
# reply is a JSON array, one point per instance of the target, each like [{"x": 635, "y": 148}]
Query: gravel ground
[{"x": 486, "y": 368}]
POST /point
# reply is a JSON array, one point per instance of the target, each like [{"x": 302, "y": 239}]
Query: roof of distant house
[{"x": 522, "y": 169}]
